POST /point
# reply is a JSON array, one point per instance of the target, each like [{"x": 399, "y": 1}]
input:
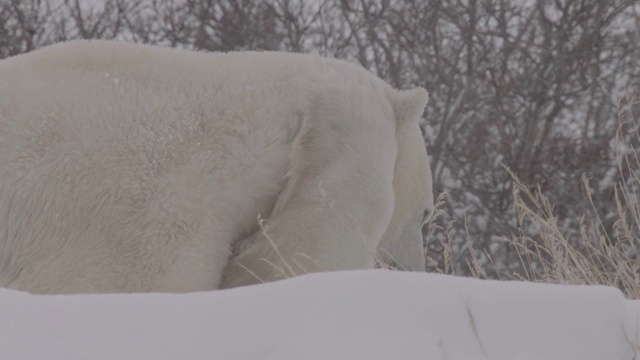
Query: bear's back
[
  {"x": 136, "y": 168},
  {"x": 99, "y": 137}
]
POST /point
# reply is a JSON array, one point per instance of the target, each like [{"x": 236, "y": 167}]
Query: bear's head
[{"x": 402, "y": 245}]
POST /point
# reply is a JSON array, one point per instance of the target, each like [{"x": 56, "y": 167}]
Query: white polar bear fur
[{"x": 130, "y": 168}]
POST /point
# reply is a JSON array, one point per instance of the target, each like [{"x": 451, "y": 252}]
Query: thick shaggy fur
[{"x": 127, "y": 168}]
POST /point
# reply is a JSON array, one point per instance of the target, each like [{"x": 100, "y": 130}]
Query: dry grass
[
  {"x": 594, "y": 258},
  {"x": 598, "y": 256}
]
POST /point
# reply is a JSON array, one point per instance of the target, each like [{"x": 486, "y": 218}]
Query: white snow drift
[{"x": 342, "y": 315}]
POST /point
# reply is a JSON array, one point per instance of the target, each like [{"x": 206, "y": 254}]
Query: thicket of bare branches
[{"x": 529, "y": 85}]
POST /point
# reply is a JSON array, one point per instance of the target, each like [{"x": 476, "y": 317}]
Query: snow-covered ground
[{"x": 347, "y": 315}]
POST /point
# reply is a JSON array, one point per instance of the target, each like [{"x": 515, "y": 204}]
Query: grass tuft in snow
[{"x": 601, "y": 255}]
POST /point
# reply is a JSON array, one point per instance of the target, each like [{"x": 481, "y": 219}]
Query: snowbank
[{"x": 347, "y": 315}]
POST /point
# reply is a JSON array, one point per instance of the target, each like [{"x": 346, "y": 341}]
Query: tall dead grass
[
  {"x": 596, "y": 258},
  {"x": 599, "y": 255}
]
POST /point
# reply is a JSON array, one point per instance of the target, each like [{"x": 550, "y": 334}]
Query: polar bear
[{"x": 134, "y": 168}]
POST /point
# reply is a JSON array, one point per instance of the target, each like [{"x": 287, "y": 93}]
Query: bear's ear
[{"x": 409, "y": 104}]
